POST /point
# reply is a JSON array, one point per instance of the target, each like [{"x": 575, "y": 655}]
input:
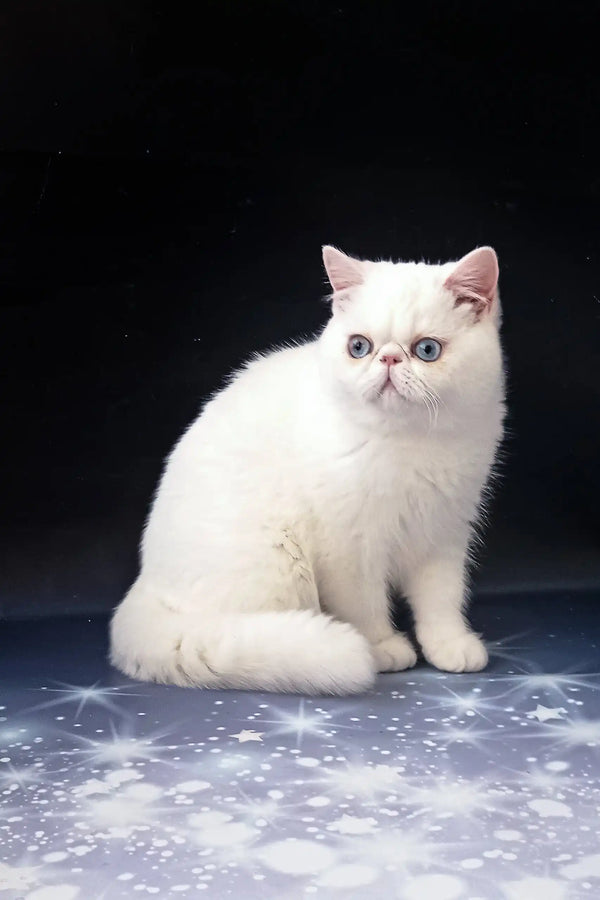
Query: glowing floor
[{"x": 433, "y": 787}]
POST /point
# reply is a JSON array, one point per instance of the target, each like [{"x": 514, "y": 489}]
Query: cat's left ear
[
  {"x": 343, "y": 271},
  {"x": 474, "y": 280}
]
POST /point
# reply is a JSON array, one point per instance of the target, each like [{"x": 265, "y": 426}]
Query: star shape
[
  {"x": 543, "y": 713},
  {"x": 248, "y": 735}
]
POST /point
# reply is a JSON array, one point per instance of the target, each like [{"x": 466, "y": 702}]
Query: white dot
[
  {"x": 433, "y": 887},
  {"x": 550, "y": 808},
  {"x": 55, "y": 892},
  {"x": 296, "y": 857},
  {"x": 191, "y": 787},
  {"x": 349, "y": 876}
]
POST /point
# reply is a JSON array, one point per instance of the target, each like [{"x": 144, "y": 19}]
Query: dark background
[{"x": 166, "y": 181}]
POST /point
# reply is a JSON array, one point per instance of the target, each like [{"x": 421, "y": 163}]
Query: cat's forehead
[
  {"x": 407, "y": 298},
  {"x": 417, "y": 282}
]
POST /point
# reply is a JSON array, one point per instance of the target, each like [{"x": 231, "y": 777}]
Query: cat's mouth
[
  {"x": 388, "y": 389},
  {"x": 391, "y": 394}
]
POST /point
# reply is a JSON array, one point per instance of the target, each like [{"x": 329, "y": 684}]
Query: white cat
[{"x": 321, "y": 478}]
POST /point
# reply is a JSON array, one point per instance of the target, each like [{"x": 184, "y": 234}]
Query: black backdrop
[{"x": 166, "y": 181}]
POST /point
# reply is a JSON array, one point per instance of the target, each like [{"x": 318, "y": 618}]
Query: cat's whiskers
[
  {"x": 436, "y": 406},
  {"x": 430, "y": 408},
  {"x": 432, "y": 401}
]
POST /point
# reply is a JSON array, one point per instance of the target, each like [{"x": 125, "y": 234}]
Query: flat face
[
  {"x": 433, "y": 785},
  {"x": 409, "y": 337}
]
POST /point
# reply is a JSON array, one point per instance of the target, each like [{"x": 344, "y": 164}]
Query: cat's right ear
[{"x": 344, "y": 272}]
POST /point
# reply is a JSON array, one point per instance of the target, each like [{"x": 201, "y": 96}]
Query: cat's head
[{"x": 410, "y": 340}]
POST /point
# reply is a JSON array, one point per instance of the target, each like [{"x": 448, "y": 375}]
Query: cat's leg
[
  {"x": 436, "y": 593},
  {"x": 355, "y": 596}
]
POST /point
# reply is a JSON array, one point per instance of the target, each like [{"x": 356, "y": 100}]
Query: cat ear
[
  {"x": 475, "y": 279},
  {"x": 343, "y": 271}
]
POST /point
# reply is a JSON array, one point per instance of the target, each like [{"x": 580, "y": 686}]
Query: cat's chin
[
  {"x": 395, "y": 406},
  {"x": 390, "y": 397},
  {"x": 392, "y": 406}
]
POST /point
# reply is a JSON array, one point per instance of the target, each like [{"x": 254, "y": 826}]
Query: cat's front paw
[
  {"x": 463, "y": 652},
  {"x": 394, "y": 654}
]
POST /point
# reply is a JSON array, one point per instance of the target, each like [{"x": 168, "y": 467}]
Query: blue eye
[
  {"x": 428, "y": 349},
  {"x": 359, "y": 346}
]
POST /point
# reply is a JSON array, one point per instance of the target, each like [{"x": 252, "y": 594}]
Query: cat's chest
[{"x": 395, "y": 486}]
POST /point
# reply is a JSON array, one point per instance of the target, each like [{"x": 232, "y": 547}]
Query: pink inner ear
[
  {"x": 343, "y": 271},
  {"x": 475, "y": 277}
]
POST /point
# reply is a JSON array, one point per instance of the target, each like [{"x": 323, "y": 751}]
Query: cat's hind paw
[{"x": 394, "y": 653}]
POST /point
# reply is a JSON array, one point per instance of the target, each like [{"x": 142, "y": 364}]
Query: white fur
[{"x": 302, "y": 495}]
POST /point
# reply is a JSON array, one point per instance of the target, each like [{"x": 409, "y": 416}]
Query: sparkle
[
  {"x": 577, "y": 732},
  {"x": 253, "y": 810},
  {"x": 299, "y": 723},
  {"x": 471, "y": 736},
  {"x": 76, "y": 694},
  {"x": 434, "y": 783},
  {"x": 395, "y": 850},
  {"x": 10, "y": 734},
  {"x": 22, "y": 776},
  {"x": 560, "y": 684},
  {"x": 459, "y": 799},
  {"x": 539, "y": 779},
  {"x": 121, "y": 748},
  {"x": 241, "y": 855},
  {"x": 364, "y": 781},
  {"x": 470, "y": 704},
  {"x": 507, "y": 651}
]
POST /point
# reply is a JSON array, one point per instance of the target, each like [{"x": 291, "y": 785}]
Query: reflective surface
[{"x": 433, "y": 786}]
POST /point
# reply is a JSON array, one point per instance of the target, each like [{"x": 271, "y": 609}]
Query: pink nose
[{"x": 390, "y": 359}]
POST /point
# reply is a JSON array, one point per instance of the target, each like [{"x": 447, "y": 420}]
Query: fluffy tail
[{"x": 292, "y": 651}]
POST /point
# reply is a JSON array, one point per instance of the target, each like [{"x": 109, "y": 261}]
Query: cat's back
[
  {"x": 261, "y": 401},
  {"x": 236, "y": 457}
]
